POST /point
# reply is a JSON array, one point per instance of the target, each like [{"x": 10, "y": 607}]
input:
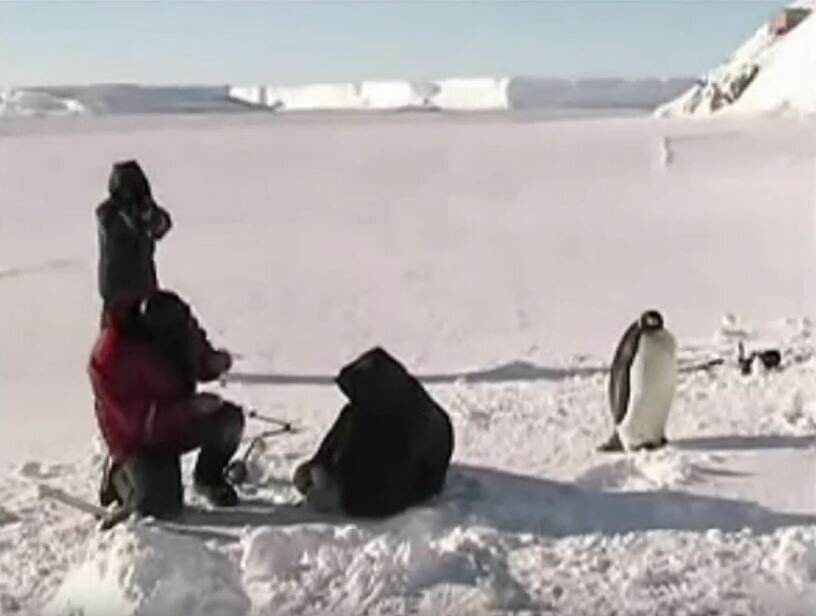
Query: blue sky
[{"x": 228, "y": 41}]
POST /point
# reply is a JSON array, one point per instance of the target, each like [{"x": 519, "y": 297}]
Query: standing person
[
  {"x": 129, "y": 224},
  {"x": 144, "y": 374}
]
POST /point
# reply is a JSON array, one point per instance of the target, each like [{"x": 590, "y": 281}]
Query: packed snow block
[
  {"x": 142, "y": 571},
  {"x": 314, "y": 97},
  {"x": 396, "y": 95},
  {"x": 390, "y": 447},
  {"x": 252, "y": 95},
  {"x": 482, "y": 94}
]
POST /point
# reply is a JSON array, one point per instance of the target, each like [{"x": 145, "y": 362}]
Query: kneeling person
[
  {"x": 144, "y": 371},
  {"x": 389, "y": 449}
]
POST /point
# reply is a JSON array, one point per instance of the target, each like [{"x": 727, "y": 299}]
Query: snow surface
[
  {"x": 780, "y": 72},
  {"x": 501, "y": 261}
]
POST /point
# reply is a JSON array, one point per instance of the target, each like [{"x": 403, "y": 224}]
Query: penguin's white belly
[{"x": 652, "y": 383}]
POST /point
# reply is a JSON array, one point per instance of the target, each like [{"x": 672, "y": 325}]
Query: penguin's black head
[{"x": 651, "y": 321}]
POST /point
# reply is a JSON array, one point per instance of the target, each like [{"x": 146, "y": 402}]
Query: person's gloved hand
[
  {"x": 219, "y": 362},
  {"x": 155, "y": 220},
  {"x": 206, "y": 403}
]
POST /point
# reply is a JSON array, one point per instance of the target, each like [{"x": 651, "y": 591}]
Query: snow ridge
[{"x": 768, "y": 74}]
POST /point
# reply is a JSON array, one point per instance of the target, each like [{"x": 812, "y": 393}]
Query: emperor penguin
[{"x": 642, "y": 383}]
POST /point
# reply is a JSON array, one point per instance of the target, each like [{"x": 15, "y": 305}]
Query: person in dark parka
[
  {"x": 389, "y": 448},
  {"x": 129, "y": 224},
  {"x": 144, "y": 377}
]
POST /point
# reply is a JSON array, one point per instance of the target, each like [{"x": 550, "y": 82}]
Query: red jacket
[{"x": 139, "y": 402}]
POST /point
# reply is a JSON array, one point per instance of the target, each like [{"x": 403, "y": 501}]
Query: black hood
[
  {"x": 129, "y": 183},
  {"x": 376, "y": 379}
]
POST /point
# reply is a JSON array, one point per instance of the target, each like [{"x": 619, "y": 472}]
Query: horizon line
[{"x": 222, "y": 84}]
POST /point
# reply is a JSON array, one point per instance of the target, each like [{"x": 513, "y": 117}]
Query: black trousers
[{"x": 149, "y": 483}]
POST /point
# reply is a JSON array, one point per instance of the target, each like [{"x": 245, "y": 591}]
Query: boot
[
  {"x": 218, "y": 494},
  {"x": 107, "y": 490},
  {"x": 613, "y": 444}
]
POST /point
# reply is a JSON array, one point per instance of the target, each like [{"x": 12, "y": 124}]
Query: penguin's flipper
[
  {"x": 619, "y": 381},
  {"x": 613, "y": 444}
]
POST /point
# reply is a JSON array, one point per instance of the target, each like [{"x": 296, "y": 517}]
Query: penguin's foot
[
  {"x": 612, "y": 445},
  {"x": 659, "y": 444}
]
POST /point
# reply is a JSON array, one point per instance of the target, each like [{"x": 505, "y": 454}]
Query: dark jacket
[
  {"x": 391, "y": 445},
  {"x": 129, "y": 224}
]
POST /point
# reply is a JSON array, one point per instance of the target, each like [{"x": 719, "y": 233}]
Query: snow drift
[
  {"x": 433, "y": 230},
  {"x": 769, "y": 73},
  {"x": 141, "y": 571}
]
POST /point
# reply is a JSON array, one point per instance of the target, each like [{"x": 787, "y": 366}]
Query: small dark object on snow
[{"x": 771, "y": 359}]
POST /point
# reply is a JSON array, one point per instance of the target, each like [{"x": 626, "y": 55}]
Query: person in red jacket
[{"x": 144, "y": 370}]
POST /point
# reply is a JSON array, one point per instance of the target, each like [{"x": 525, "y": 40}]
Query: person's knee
[
  {"x": 318, "y": 486},
  {"x": 302, "y": 478},
  {"x": 323, "y": 493},
  {"x": 232, "y": 422}
]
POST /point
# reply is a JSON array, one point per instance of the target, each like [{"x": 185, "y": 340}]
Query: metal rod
[{"x": 285, "y": 425}]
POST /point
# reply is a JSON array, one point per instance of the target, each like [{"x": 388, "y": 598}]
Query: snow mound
[
  {"x": 28, "y": 103},
  {"x": 769, "y": 73},
  {"x": 398, "y": 566},
  {"x": 794, "y": 557},
  {"x": 142, "y": 571},
  {"x": 449, "y": 94}
]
